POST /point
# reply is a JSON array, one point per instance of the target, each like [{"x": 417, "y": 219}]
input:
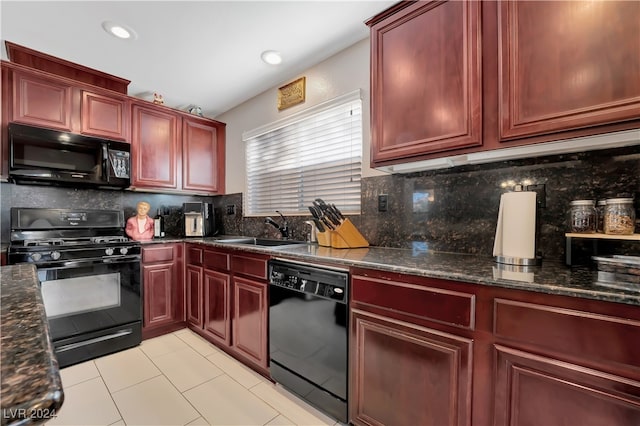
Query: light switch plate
[{"x": 383, "y": 202}]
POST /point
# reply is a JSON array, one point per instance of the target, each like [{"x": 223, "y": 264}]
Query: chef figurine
[{"x": 140, "y": 226}]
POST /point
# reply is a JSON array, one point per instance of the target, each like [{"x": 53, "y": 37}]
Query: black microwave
[{"x": 46, "y": 156}]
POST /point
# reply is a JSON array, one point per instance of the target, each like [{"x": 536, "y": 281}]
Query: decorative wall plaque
[{"x": 291, "y": 94}]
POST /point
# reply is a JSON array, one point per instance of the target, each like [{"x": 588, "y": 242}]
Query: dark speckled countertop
[
  {"x": 549, "y": 277},
  {"x": 31, "y": 387}
]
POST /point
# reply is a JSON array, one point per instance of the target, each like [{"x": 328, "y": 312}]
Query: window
[{"x": 316, "y": 153}]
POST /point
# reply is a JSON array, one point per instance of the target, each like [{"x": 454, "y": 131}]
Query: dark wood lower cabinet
[
  {"x": 536, "y": 390},
  {"x": 157, "y": 287},
  {"x": 163, "y": 289},
  {"x": 488, "y": 355},
  {"x": 406, "y": 374},
  {"x": 227, "y": 301},
  {"x": 217, "y": 306},
  {"x": 193, "y": 277},
  {"x": 249, "y": 321}
]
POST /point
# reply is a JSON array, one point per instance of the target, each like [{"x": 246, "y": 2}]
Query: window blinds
[{"x": 314, "y": 154}]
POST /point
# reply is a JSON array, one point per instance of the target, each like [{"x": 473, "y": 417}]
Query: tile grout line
[
  {"x": 250, "y": 389},
  {"x": 230, "y": 377},
  {"x": 112, "y": 400},
  {"x": 178, "y": 390}
]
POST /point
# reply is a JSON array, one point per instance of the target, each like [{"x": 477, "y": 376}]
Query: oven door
[{"x": 93, "y": 306}]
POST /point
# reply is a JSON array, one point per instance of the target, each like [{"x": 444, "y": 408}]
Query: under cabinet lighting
[{"x": 565, "y": 146}]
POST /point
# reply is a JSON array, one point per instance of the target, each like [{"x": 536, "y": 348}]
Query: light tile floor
[{"x": 176, "y": 379}]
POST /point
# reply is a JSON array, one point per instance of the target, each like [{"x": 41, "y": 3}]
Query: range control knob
[
  {"x": 109, "y": 251},
  {"x": 123, "y": 250},
  {"x": 35, "y": 257},
  {"x": 55, "y": 255}
]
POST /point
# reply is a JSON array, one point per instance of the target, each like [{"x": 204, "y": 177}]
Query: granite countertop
[
  {"x": 550, "y": 277},
  {"x": 31, "y": 386}
]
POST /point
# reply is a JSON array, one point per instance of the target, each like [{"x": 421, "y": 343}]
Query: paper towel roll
[{"x": 516, "y": 229}]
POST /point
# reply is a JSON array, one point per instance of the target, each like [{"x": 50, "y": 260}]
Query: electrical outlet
[
  {"x": 383, "y": 202},
  {"x": 541, "y": 191},
  {"x": 231, "y": 209}
]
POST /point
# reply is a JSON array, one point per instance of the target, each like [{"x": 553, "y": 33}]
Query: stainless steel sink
[{"x": 260, "y": 242}]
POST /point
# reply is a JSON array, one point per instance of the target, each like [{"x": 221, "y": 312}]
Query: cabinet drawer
[
  {"x": 194, "y": 256},
  {"x": 421, "y": 301},
  {"x": 593, "y": 336},
  {"x": 254, "y": 266},
  {"x": 216, "y": 260},
  {"x": 158, "y": 254}
]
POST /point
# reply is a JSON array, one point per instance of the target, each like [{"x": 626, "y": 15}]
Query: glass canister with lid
[
  {"x": 582, "y": 216},
  {"x": 619, "y": 216}
]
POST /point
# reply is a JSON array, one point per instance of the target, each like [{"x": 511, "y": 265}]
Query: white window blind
[{"x": 316, "y": 153}]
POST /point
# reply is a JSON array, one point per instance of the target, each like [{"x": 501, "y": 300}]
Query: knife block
[{"x": 346, "y": 235}]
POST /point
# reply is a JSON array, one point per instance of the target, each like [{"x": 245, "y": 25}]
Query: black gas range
[{"x": 89, "y": 273}]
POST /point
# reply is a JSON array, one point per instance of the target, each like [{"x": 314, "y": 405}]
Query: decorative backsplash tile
[{"x": 453, "y": 210}]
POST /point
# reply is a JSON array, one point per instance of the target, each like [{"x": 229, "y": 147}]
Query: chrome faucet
[{"x": 284, "y": 228}]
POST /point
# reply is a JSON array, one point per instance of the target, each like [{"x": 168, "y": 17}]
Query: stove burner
[
  {"x": 113, "y": 239},
  {"x": 75, "y": 241},
  {"x": 47, "y": 242}
]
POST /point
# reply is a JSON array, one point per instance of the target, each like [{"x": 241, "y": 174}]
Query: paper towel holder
[{"x": 531, "y": 230}]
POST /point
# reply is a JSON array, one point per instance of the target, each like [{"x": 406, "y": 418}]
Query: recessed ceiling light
[
  {"x": 271, "y": 57},
  {"x": 119, "y": 30}
]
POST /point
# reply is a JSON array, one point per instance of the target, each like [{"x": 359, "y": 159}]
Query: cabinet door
[
  {"x": 535, "y": 390},
  {"x": 41, "y": 102},
  {"x": 567, "y": 65},
  {"x": 203, "y": 156},
  {"x": 103, "y": 116},
  {"x": 5, "y": 114},
  {"x": 426, "y": 80},
  {"x": 194, "y": 295},
  {"x": 404, "y": 374},
  {"x": 158, "y": 294},
  {"x": 217, "y": 306},
  {"x": 250, "y": 320},
  {"x": 154, "y": 142}
]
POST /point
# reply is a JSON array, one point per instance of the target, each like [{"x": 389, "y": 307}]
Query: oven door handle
[
  {"x": 89, "y": 262},
  {"x": 121, "y": 259}
]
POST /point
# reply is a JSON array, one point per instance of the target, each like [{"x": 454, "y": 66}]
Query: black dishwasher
[{"x": 308, "y": 308}]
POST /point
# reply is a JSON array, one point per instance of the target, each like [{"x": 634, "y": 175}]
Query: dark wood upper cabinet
[
  {"x": 460, "y": 77},
  {"x": 203, "y": 154},
  {"x": 104, "y": 116},
  {"x": 41, "y": 101},
  {"x": 172, "y": 151},
  {"x": 567, "y": 64},
  {"x": 5, "y": 116},
  {"x": 426, "y": 80},
  {"x": 154, "y": 146}
]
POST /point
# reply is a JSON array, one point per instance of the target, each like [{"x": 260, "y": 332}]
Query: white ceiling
[{"x": 204, "y": 53}]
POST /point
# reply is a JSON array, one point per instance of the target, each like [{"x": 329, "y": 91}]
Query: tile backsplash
[
  {"x": 63, "y": 198},
  {"x": 451, "y": 210},
  {"x": 456, "y": 209}
]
